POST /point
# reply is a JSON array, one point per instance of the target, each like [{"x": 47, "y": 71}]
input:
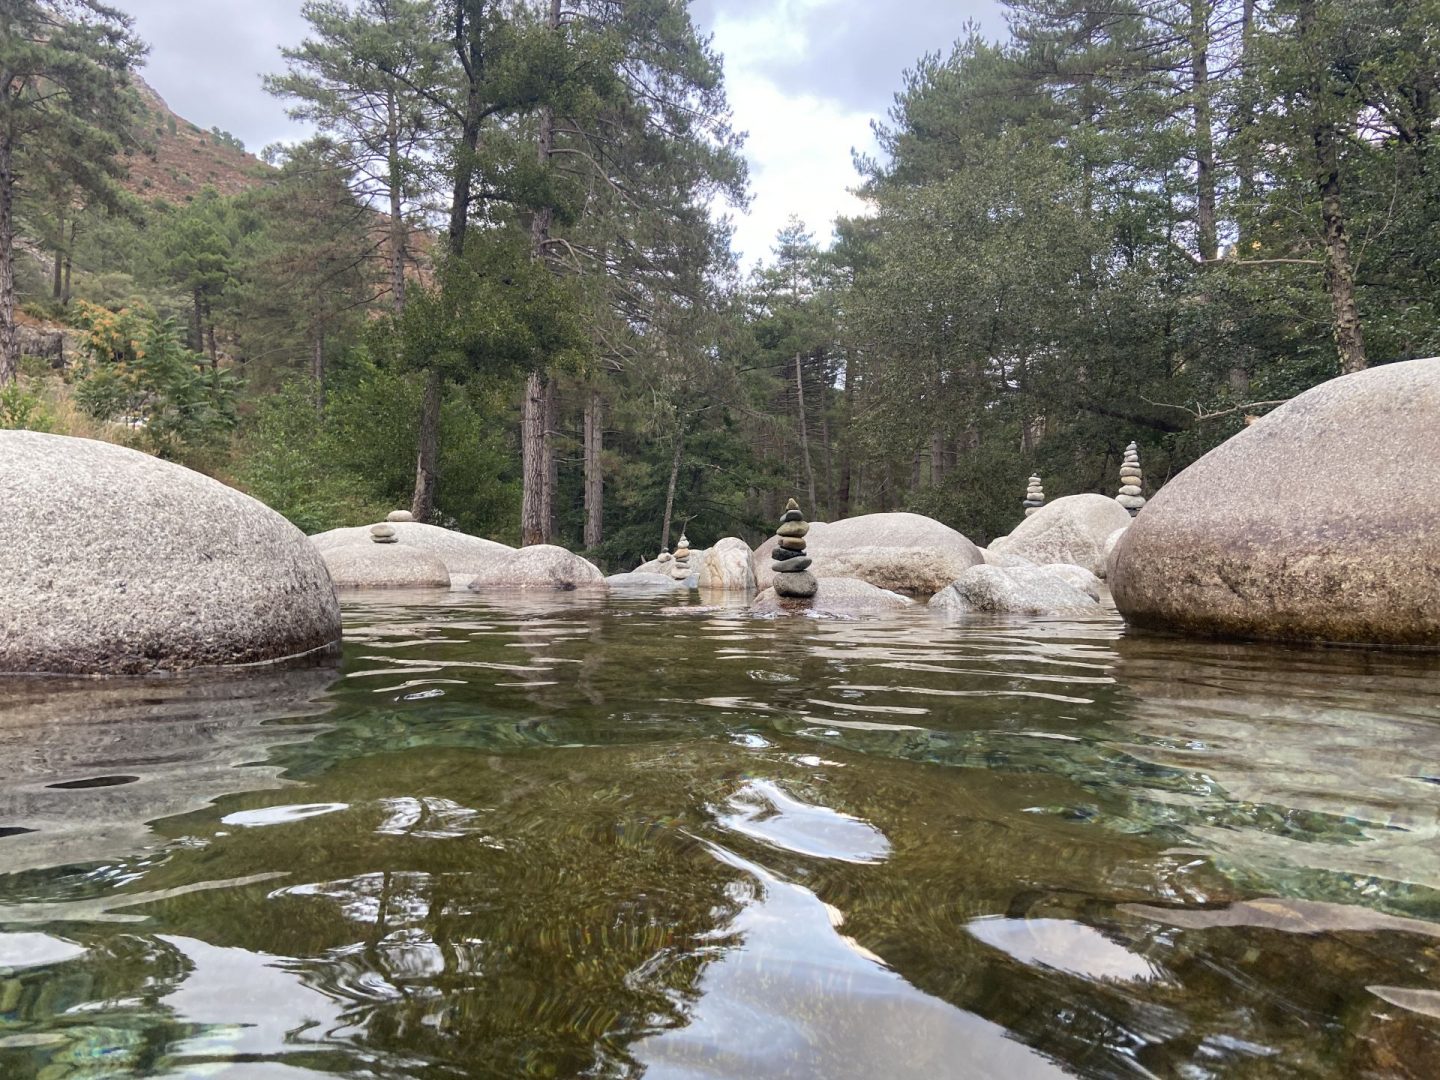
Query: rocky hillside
[{"x": 180, "y": 158}]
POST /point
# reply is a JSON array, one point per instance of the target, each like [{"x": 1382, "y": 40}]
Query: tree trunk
[
  {"x": 847, "y": 453},
  {"x": 197, "y": 321},
  {"x": 58, "y": 277},
  {"x": 396, "y": 180},
  {"x": 670, "y": 491},
  {"x": 534, "y": 514},
  {"x": 1245, "y": 158},
  {"x": 70, "y": 247},
  {"x": 937, "y": 458},
  {"x": 548, "y": 503},
  {"x": 9, "y": 342},
  {"x": 1339, "y": 265},
  {"x": 427, "y": 464},
  {"x": 804, "y": 435},
  {"x": 210, "y": 346},
  {"x": 594, "y": 475},
  {"x": 317, "y": 370},
  {"x": 1205, "y": 228}
]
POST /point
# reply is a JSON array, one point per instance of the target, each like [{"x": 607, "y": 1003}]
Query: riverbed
[{"x": 570, "y": 837}]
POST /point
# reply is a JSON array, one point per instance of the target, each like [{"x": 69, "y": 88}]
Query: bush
[{"x": 23, "y": 411}]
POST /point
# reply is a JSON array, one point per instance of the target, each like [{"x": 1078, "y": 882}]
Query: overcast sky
[{"x": 805, "y": 78}]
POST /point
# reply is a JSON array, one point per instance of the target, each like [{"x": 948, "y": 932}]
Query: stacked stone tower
[
  {"x": 681, "y": 569},
  {"x": 790, "y": 563},
  {"x": 1034, "y": 496},
  {"x": 1132, "y": 481}
]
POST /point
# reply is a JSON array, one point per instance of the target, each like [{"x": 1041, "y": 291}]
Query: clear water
[{"x": 606, "y": 838}]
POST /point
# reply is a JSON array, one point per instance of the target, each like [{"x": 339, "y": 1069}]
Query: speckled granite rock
[
  {"x": 838, "y": 597},
  {"x": 907, "y": 553},
  {"x": 385, "y": 565},
  {"x": 644, "y": 581},
  {"x": 726, "y": 565},
  {"x": 1017, "y": 590},
  {"x": 460, "y": 552},
  {"x": 1318, "y": 522},
  {"x": 118, "y": 563},
  {"x": 1072, "y": 530},
  {"x": 542, "y": 566}
]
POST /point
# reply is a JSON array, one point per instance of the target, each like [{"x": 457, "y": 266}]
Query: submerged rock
[
  {"x": 644, "y": 581},
  {"x": 842, "y": 597},
  {"x": 1019, "y": 590},
  {"x": 119, "y": 563},
  {"x": 1071, "y": 530},
  {"x": 542, "y": 566},
  {"x": 1319, "y": 522}
]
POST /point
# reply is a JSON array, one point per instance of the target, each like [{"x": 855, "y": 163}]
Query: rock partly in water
[
  {"x": 906, "y": 553},
  {"x": 644, "y": 581},
  {"x": 1318, "y": 522},
  {"x": 1018, "y": 590},
  {"x": 543, "y": 566},
  {"x": 1088, "y": 583},
  {"x": 460, "y": 552},
  {"x": 1071, "y": 530},
  {"x": 834, "y": 597},
  {"x": 1109, "y": 552},
  {"x": 726, "y": 566},
  {"x": 384, "y": 564},
  {"x": 119, "y": 563}
]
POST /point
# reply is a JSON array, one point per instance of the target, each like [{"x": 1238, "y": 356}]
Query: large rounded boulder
[
  {"x": 461, "y": 553},
  {"x": 727, "y": 566},
  {"x": 906, "y": 553},
  {"x": 1021, "y": 590},
  {"x": 1072, "y": 530},
  {"x": 118, "y": 563},
  {"x": 541, "y": 566},
  {"x": 367, "y": 565},
  {"x": 1319, "y": 522},
  {"x": 843, "y": 598}
]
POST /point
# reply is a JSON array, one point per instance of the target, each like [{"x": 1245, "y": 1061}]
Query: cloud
[{"x": 207, "y": 58}]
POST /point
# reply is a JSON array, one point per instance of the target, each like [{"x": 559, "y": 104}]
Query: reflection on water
[{"x": 575, "y": 837}]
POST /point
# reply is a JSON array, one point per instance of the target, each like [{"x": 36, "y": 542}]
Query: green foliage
[
  {"x": 23, "y": 411},
  {"x": 137, "y": 373}
]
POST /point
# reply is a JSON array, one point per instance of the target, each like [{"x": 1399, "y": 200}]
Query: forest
[{"x": 497, "y": 287}]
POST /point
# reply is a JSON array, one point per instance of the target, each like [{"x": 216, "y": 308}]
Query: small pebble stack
[
  {"x": 682, "y": 559},
  {"x": 790, "y": 563},
  {"x": 383, "y": 534},
  {"x": 1034, "y": 496},
  {"x": 1132, "y": 481}
]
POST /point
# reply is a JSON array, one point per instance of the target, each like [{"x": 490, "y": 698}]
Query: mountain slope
[{"x": 179, "y": 159}]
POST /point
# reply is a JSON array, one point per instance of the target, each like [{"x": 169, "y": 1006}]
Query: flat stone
[
  {"x": 780, "y": 554},
  {"x": 793, "y": 528},
  {"x": 1131, "y": 489},
  {"x": 801, "y": 586},
  {"x": 400, "y": 515},
  {"x": 791, "y": 515},
  {"x": 382, "y": 534},
  {"x": 793, "y": 566},
  {"x": 118, "y": 563},
  {"x": 1130, "y": 502},
  {"x": 792, "y": 543}
]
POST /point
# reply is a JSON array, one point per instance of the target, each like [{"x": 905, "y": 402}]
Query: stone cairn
[
  {"x": 383, "y": 534},
  {"x": 1034, "y": 496},
  {"x": 1132, "y": 481},
  {"x": 682, "y": 559},
  {"x": 790, "y": 563}
]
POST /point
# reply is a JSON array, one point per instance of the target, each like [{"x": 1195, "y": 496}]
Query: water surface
[{"x": 610, "y": 838}]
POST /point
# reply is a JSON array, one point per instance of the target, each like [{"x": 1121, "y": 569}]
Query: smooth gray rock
[
  {"x": 1131, "y": 489},
  {"x": 996, "y": 558},
  {"x": 1072, "y": 529},
  {"x": 542, "y": 566},
  {"x": 1088, "y": 583},
  {"x": 906, "y": 553},
  {"x": 792, "y": 566},
  {"x": 1318, "y": 522},
  {"x": 400, "y": 515},
  {"x": 799, "y": 585},
  {"x": 1017, "y": 590},
  {"x": 726, "y": 566},
  {"x": 1109, "y": 553},
  {"x": 117, "y": 563},
  {"x": 836, "y": 597},
  {"x": 385, "y": 565},
  {"x": 460, "y": 552},
  {"x": 644, "y": 581}
]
